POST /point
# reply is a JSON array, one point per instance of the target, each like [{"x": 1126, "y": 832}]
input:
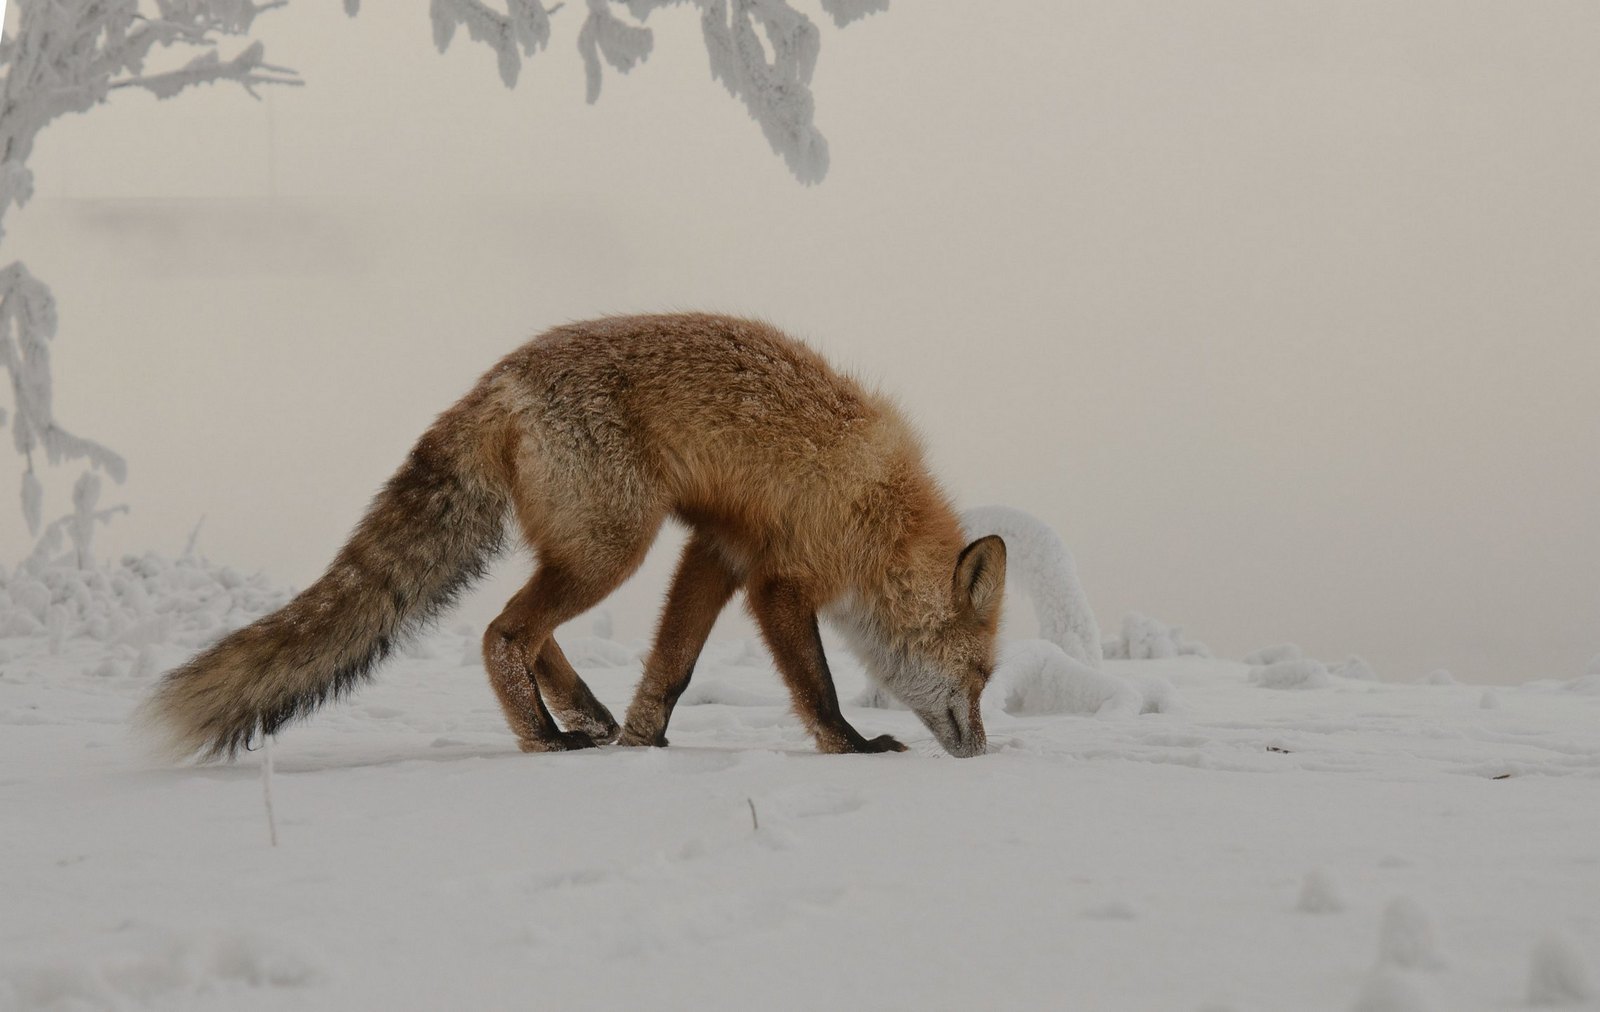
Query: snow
[
  {"x": 1130, "y": 857},
  {"x": 1407, "y": 937},
  {"x": 1558, "y": 975},
  {"x": 1319, "y": 894},
  {"x": 1392, "y": 990}
]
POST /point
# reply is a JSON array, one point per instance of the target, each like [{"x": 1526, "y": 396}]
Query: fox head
[{"x": 938, "y": 666}]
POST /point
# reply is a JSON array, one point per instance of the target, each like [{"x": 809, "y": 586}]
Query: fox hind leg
[
  {"x": 514, "y": 652},
  {"x": 569, "y": 697}
]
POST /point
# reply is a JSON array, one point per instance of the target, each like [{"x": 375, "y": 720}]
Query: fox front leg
[
  {"x": 788, "y": 622},
  {"x": 702, "y": 586}
]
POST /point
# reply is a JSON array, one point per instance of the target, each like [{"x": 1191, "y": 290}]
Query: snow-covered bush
[
  {"x": 1292, "y": 674},
  {"x": 1144, "y": 639},
  {"x": 141, "y": 601},
  {"x": 1038, "y": 564},
  {"x": 1273, "y": 654},
  {"x": 1285, "y": 666},
  {"x": 1037, "y": 677},
  {"x": 1355, "y": 666}
]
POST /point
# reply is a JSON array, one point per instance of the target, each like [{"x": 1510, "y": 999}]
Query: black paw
[{"x": 882, "y": 743}]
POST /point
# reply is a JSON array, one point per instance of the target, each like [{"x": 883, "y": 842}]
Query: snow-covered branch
[
  {"x": 77, "y": 526},
  {"x": 248, "y": 68},
  {"x": 624, "y": 46},
  {"x": 762, "y": 51},
  {"x": 776, "y": 93},
  {"x": 27, "y": 323},
  {"x": 69, "y": 56}
]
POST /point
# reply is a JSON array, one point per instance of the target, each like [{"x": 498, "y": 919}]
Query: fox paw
[
  {"x": 640, "y": 739},
  {"x": 882, "y": 743},
  {"x": 559, "y": 741},
  {"x": 855, "y": 744},
  {"x": 599, "y": 731}
]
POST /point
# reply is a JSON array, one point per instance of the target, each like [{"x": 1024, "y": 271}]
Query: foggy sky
[{"x": 1283, "y": 314}]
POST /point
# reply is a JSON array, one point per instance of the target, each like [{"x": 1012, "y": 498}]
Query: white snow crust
[
  {"x": 1115, "y": 850},
  {"x": 1558, "y": 974}
]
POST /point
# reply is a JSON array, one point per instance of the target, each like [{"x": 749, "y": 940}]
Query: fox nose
[
  {"x": 970, "y": 746},
  {"x": 965, "y": 741}
]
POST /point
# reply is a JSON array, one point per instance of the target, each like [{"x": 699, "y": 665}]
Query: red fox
[{"x": 799, "y": 486}]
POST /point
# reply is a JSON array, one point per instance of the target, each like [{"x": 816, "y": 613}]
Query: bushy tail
[{"x": 430, "y": 532}]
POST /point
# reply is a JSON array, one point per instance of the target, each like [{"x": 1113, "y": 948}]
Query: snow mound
[
  {"x": 1406, "y": 939},
  {"x": 1285, "y": 666},
  {"x": 1038, "y": 563},
  {"x": 1439, "y": 676},
  {"x": 1558, "y": 975},
  {"x": 1586, "y": 685},
  {"x": 1145, "y": 639},
  {"x": 1037, "y": 677},
  {"x": 158, "y": 970},
  {"x": 1319, "y": 894},
  {"x": 142, "y": 601},
  {"x": 1273, "y": 654},
  {"x": 1390, "y": 990},
  {"x": 1355, "y": 666},
  {"x": 1295, "y": 674}
]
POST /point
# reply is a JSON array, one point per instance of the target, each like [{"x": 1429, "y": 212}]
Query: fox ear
[{"x": 981, "y": 577}]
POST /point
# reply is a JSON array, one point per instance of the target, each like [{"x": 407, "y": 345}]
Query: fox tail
[{"x": 430, "y": 532}]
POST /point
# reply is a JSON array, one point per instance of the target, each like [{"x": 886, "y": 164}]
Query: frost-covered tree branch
[
  {"x": 739, "y": 36},
  {"x": 77, "y": 526},
  {"x": 27, "y": 323},
  {"x": 69, "y": 56}
]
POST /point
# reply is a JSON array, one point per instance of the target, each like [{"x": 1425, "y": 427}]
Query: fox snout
[{"x": 959, "y": 728}]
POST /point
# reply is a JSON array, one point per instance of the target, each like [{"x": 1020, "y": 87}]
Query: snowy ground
[{"x": 1354, "y": 844}]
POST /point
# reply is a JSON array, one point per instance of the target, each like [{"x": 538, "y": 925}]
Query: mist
[{"x": 1284, "y": 316}]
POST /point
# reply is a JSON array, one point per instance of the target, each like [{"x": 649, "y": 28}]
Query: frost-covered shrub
[
  {"x": 1273, "y": 654},
  {"x": 1145, "y": 638},
  {"x": 1294, "y": 674},
  {"x": 1356, "y": 667},
  {"x": 1036, "y": 676},
  {"x": 1038, "y": 564},
  {"x": 141, "y": 601}
]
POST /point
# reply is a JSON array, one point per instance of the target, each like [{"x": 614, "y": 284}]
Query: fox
[{"x": 799, "y": 487}]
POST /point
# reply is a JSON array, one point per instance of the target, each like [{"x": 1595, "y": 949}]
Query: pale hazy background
[{"x": 1285, "y": 314}]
